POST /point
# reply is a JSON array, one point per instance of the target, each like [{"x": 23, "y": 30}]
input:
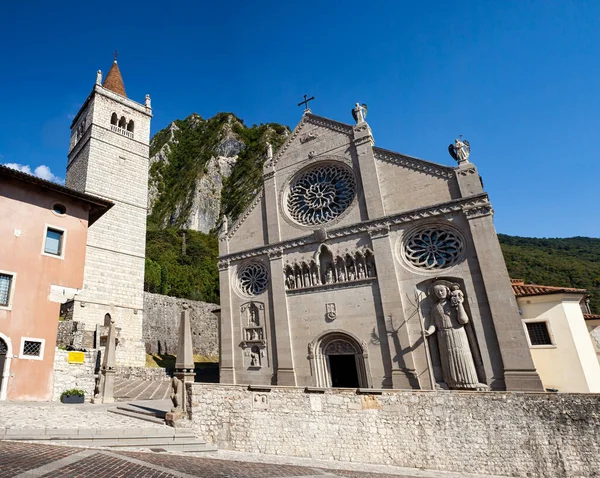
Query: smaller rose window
[
  {"x": 254, "y": 279},
  {"x": 433, "y": 248}
]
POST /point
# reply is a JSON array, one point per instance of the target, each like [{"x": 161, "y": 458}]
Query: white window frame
[
  {"x": 63, "y": 242},
  {"x": 550, "y": 334},
  {"x": 11, "y": 292},
  {"x": 32, "y": 357}
]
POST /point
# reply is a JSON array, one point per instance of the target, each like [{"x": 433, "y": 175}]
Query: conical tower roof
[{"x": 114, "y": 81}]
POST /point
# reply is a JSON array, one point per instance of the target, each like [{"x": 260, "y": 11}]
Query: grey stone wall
[
  {"x": 161, "y": 325},
  {"x": 73, "y": 375},
  {"x": 515, "y": 434}
]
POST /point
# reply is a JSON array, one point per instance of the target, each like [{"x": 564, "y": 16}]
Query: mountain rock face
[{"x": 203, "y": 169}]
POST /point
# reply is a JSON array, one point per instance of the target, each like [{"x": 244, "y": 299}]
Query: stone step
[
  {"x": 139, "y": 414},
  {"x": 144, "y": 410},
  {"x": 185, "y": 447},
  {"x": 167, "y": 439},
  {"x": 165, "y": 432}
]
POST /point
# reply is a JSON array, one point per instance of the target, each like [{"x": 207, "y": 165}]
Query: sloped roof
[
  {"x": 114, "y": 80},
  {"x": 98, "y": 206},
  {"x": 527, "y": 290},
  {"x": 591, "y": 316}
]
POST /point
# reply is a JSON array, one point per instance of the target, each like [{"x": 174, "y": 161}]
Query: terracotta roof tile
[
  {"x": 591, "y": 316},
  {"x": 114, "y": 81},
  {"x": 522, "y": 290}
]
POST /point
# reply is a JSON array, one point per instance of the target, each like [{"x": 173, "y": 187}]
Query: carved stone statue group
[
  {"x": 330, "y": 270},
  {"x": 455, "y": 349}
]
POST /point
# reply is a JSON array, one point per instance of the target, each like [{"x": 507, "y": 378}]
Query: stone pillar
[
  {"x": 107, "y": 371},
  {"x": 404, "y": 374},
  {"x": 184, "y": 364},
  {"x": 363, "y": 142},
  {"x": 519, "y": 370},
  {"x": 272, "y": 214},
  {"x": 286, "y": 374},
  {"x": 469, "y": 182},
  {"x": 226, "y": 345}
]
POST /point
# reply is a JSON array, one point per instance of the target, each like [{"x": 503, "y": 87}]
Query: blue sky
[{"x": 519, "y": 79}]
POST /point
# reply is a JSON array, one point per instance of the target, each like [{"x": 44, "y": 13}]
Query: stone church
[{"x": 360, "y": 267}]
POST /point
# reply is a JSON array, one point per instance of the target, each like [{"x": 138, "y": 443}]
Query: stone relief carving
[
  {"x": 330, "y": 312},
  {"x": 260, "y": 401},
  {"x": 305, "y": 138},
  {"x": 340, "y": 347},
  {"x": 433, "y": 248},
  {"x": 447, "y": 324},
  {"x": 328, "y": 269},
  {"x": 321, "y": 194},
  {"x": 253, "y": 333}
]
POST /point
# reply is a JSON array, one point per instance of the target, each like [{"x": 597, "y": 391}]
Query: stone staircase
[
  {"x": 156, "y": 439},
  {"x": 127, "y": 389}
]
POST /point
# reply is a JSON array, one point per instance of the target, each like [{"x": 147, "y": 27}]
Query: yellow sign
[{"x": 76, "y": 357}]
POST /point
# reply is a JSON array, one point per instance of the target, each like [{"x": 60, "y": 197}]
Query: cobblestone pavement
[
  {"x": 29, "y": 460},
  {"x": 41, "y": 415}
]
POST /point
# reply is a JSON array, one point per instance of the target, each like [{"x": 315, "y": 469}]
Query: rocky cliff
[{"x": 203, "y": 169}]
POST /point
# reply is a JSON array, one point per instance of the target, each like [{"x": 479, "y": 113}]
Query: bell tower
[{"x": 109, "y": 157}]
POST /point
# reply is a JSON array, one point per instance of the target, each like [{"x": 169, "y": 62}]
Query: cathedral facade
[{"x": 359, "y": 267}]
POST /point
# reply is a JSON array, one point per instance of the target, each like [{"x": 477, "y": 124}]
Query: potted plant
[{"x": 75, "y": 395}]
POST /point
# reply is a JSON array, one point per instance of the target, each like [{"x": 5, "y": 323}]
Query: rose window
[
  {"x": 433, "y": 248},
  {"x": 321, "y": 194},
  {"x": 254, "y": 279}
]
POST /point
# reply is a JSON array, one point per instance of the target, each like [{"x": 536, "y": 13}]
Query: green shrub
[{"x": 74, "y": 392}]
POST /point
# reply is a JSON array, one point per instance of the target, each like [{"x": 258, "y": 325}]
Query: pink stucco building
[{"x": 44, "y": 228}]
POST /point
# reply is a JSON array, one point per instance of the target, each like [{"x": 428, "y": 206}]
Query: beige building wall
[
  {"x": 569, "y": 364},
  {"x": 593, "y": 326}
]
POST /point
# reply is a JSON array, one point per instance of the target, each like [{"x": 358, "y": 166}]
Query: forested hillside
[{"x": 570, "y": 262}]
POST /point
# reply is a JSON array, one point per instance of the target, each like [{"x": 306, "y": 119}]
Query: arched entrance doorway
[
  {"x": 341, "y": 356},
  {"x": 3, "y": 367},
  {"x": 339, "y": 360}
]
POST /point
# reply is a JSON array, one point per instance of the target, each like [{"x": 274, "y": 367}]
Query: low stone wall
[
  {"x": 503, "y": 433},
  {"x": 143, "y": 373},
  {"x": 161, "y": 325},
  {"x": 73, "y": 375}
]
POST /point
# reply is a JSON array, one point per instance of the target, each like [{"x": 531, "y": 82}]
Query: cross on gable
[{"x": 305, "y": 102}]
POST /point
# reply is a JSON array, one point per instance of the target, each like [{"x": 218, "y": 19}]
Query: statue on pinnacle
[{"x": 460, "y": 150}]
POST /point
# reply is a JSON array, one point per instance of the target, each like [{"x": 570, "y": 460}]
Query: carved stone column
[
  {"x": 286, "y": 374},
  {"x": 363, "y": 142},
  {"x": 226, "y": 345},
  {"x": 403, "y": 366},
  {"x": 519, "y": 370}
]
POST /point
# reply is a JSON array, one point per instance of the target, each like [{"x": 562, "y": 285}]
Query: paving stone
[
  {"x": 49, "y": 461},
  {"x": 16, "y": 458}
]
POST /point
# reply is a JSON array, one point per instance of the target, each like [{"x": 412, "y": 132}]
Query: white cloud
[
  {"x": 19, "y": 167},
  {"x": 42, "y": 172}
]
